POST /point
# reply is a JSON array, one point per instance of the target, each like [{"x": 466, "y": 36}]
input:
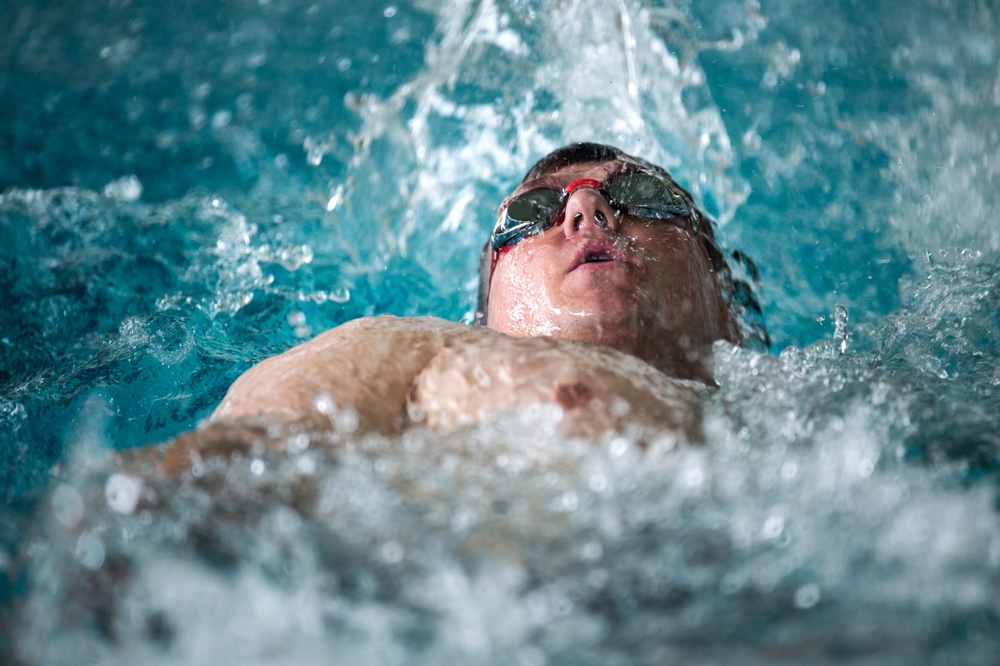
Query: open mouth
[
  {"x": 596, "y": 257},
  {"x": 597, "y": 252}
]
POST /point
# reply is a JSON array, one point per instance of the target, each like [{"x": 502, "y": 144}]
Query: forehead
[{"x": 561, "y": 176}]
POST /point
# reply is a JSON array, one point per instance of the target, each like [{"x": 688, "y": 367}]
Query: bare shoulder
[{"x": 366, "y": 363}]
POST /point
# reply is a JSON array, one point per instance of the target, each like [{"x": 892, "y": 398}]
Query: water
[{"x": 189, "y": 190}]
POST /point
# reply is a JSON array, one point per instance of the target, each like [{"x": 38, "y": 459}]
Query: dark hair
[{"x": 739, "y": 294}]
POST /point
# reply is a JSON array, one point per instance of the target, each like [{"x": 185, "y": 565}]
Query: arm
[{"x": 368, "y": 364}]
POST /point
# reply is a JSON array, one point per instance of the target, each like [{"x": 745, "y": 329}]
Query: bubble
[{"x": 257, "y": 467}]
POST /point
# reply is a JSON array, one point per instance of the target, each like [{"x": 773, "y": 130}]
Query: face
[{"x": 644, "y": 287}]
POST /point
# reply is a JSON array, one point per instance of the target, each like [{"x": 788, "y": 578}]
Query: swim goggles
[{"x": 637, "y": 193}]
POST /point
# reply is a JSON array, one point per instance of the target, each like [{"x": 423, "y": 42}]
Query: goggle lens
[
  {"x": 534, "y": 206},
  {"x": 638, "y": 194}
]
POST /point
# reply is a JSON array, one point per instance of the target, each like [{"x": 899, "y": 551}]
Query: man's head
[{"x": 600, "y": 247}]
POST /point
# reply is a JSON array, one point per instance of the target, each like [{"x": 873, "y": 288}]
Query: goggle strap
[{"x": 588, "y": 182}]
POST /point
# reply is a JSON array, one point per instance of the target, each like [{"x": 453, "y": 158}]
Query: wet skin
[{"x": 644, "y": 287}]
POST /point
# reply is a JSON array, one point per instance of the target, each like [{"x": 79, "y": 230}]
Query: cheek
[
  {"x": 668, "y": 258},
  {"x": 679, "y": 275},
  {"x": 519, "y": 293}
]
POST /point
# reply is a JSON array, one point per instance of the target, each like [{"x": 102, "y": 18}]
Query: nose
[{"x": 587, "y": 207}]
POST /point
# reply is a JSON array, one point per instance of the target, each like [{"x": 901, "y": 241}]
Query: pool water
[{"x": 186, "y": 189}]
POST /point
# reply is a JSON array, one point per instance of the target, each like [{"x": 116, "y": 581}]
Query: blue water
[{"x": 188, "y": 188}]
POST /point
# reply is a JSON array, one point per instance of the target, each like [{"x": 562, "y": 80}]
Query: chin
[{"x": 608, "y": 327}]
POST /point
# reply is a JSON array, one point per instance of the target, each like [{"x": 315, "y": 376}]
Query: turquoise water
[{"x": 190, "y": 188}]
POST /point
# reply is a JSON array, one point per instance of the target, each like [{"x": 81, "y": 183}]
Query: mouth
[{"x": 596, "y": 253}]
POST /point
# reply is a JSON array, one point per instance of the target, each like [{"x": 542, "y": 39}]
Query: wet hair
[{"x": 739, "y": 294}]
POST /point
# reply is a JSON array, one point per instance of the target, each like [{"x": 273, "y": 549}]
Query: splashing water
[{"x": 185, "y": 194}]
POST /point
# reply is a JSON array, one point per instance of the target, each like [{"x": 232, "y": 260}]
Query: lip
[{"x": 597, "y": 253}]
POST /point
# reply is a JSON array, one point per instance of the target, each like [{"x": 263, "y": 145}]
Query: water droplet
[
  {"x": 90, "y": 550},
  {"x": 298, "y": 443},
  {"x": 324, "y": 404},
  {"x": 591, "y": 551},
  {"x": 789, "y": 469},
  {"x": 481, "y": 376},
  {"x": 840, "y": 328},
  {"x": 347, "y": 420},
  {"x": 773, "y": 527},
  {"x": 598, "y": 483},
  {"x": 305, "y": 465},
  {"x": 415, "y": 412},
  {"x": 336, "y": 198},
  {"x": 866, "y": 466},
  {"x": 694, "y": 477},
  {"x": 620, "y": 407},
  {"x": 807, "y": 596},
  {"x": 392, "y": 552},
  {"x": 122, "y": 493},
  {"x": 567, "y": 502},
  {"x": 128, "y": 188},
  {"x": 731, "y": 583},
  {"x": 665, "y": 441},
  {"x": 221, "y": 119},
  {"x": 67, "y": 505}
]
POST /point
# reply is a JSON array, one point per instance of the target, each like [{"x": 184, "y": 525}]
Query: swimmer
[{"x": 602, "y": 292}]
